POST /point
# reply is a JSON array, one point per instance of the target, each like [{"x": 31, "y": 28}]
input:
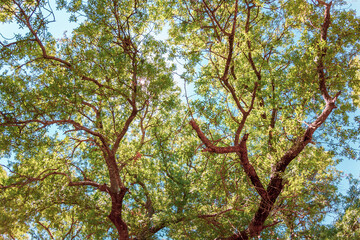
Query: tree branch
[
  {"x": 241, "y": 151},
  {"x": 322, "y": 51},
  {"x": 250, "y": 170},
  {"x": 208, "y": 143},
  {"x": 101, "y": 187},
  {"x": 276, "y": 185},
  {"x": 46, "y": 228}
]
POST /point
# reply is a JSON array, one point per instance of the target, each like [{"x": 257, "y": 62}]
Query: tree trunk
[{"x": 116, "y": 214}]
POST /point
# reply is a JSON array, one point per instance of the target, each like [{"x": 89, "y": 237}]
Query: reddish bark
[{"x": 116, "y": 214}]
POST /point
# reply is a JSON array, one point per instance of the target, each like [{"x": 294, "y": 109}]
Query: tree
[
  {"x": 97, "y": 127},
  {"x": 347, "y": 226}
]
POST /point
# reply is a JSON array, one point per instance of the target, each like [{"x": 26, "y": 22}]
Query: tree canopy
[{"x": 102, "y": 143}]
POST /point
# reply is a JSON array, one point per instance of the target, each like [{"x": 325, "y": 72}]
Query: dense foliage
[{"x": 102, "y": 143}]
